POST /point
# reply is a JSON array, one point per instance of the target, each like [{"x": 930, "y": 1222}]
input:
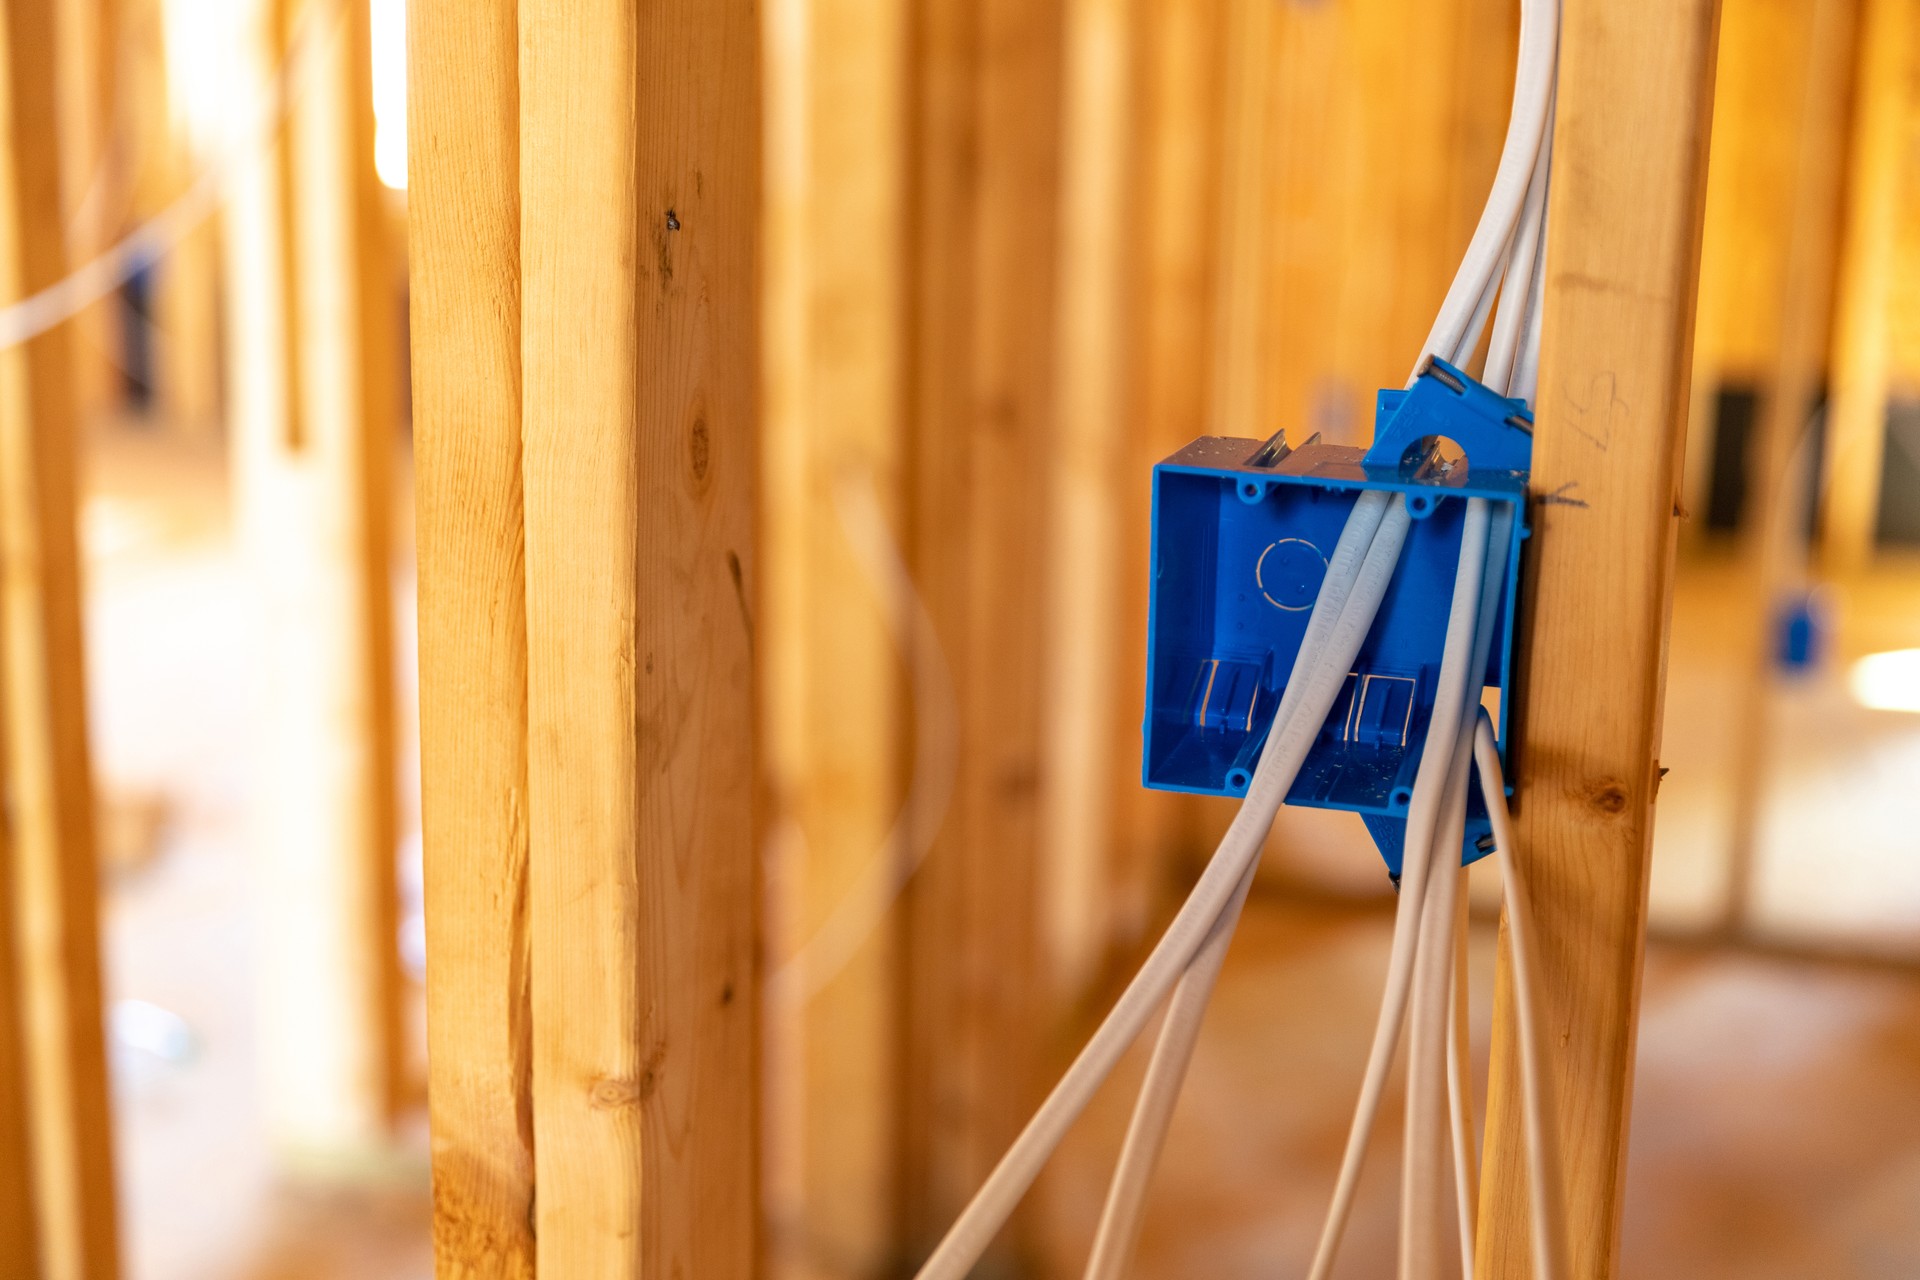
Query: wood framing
[
  {"x": 1163, "y": 366},
  {"x": 1879, "y": 180},
  {"x": 983, "y": 241},
  {"x": 89, "y": 46},
  {"x": 1636, "y": 79},
  {"x": 843, "y": 672},
  {"x": 315, "y": 397},
  {"x": 464, "y": 238},
  {"x": 1083, "y": 633},
  {"x": 47, "y": 848},
  {"x": 586, "y": 202},
  {"x": 1782, "y": 456},
  {"x": 1378, "y": 164},
  {"x": 640, "y": 206}
]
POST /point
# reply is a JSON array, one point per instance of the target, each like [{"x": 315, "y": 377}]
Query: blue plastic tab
[{"x": 1241, "y": 535}]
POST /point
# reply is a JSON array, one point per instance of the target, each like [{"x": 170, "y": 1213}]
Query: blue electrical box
[{"x": 1241, "y": 536}]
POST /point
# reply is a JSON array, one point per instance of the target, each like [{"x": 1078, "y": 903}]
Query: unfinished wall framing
[{"x": 588, "y": 204}]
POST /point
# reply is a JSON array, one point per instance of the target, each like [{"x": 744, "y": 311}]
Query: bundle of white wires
[{"x": 1504, "y": 260}]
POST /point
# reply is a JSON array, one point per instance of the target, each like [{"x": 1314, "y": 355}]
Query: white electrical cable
[
  {"x": 1422, "y": 814},
  {"x": 1533, "y": 82},
  {"x": 1525, "y": 382},
  {"x": 1188, "y": 957},
  {"x": 1119, "y": 1226},
  {"x": 936, "y": 747},
  {"x": 1543, "y": 1154},
  {"x": 1180, "y": 1030},
  {"x": 1430, "y": 1063},
  {"x": 1431, "y": 1143},
  {"x": 29, "y": 317},
  {"x": 1427, "y": 1148},
  {"x": 1239, "y": 849},
  {"x": 1524, "y": 265},
  {"x": 1466, "y": 1173},
  {"x": 1463, "y": 353},
  {"x": 1484, "y": 540}
]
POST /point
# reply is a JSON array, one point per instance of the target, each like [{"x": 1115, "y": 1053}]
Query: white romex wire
[
  {"x": 1434, "y": 1061},
  {"x": 1533, "y": 83},
  {"x": 1173, "y": 1050},
  {"x": 1546, "y": 1189},
  {"x": 1280, "y": 762},
  {"x": 1519, "y": 294},
  {"x": 1422, "y": 816}
]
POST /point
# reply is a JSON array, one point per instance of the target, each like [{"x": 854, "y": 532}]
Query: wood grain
[
  {"x": 640, "y": 207},
  {"x": 1624, "y": 224},
  {"x": 1879, "y": 184},
  {"x": 983, "y": 236},
  {"x": 315, "y": 396},
  {"x": 19, "y": 1230},
  {"x": 43, "y": 742},
  {"x": 1781, "y": 454},
  {"x": 1757, "y": 128},
  {"x": 1379, "y": 165},
  {"x": 1085, "y": 634},
  {"x": 1165, "y": 360},
  {"x": 836, "y": 707},
  {"x": 464, "y": 240}
]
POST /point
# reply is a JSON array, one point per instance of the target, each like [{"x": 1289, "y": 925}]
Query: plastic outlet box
[{"x": 1241, "y": 534}]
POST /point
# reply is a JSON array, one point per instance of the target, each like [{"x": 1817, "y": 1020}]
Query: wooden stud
[
  {"x": 1083, "y": 632},
  {"x": 464, "y": 198},
  {"x": 1636, "y": 79},
  {"x": 1165, "y": 361},
  {"x": 315, "y": 397},
  {"x": 640, "y": 207},
  {"x": 90, "y": 43},
  {"x": 835, "y": 705},
  {"x": 1780, "y": 455},
  {"x": 19, "y": 1232},
  {"x": 1757, "y": 123},
  {"x": 1380, "y": 164},
  {"x": 1236, "y": 400},
  {"x": 187, "y": 364},
  {"x": 983, "y": 235},
  {"x": 43, "y": 743},
  {"x": 1352, "y": 178},
  {"x": 1878, "y": 186}
]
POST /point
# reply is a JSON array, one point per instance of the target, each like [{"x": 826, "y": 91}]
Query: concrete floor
[{"x": 1777, "y": 1113}]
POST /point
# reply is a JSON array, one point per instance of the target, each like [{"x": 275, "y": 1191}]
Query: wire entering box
[{"x": 1241, "y": 535}]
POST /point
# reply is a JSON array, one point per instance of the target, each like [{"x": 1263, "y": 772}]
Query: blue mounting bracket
[{"x": 1241, "y": 535}]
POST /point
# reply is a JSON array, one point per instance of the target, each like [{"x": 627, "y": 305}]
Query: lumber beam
[
  {"x": 1083, "y": 627},
  {"x": 1380, "y": 164},
  {"x": 985, "y": 106},
  {"x": 1162, "y": 363},
  {"x": 464, "y": 238},
  {"x": 89, "y": 47},
  {"x": 640, "y": 217},
  {"x": 314, "y": 399},
  {"x": 1781, "y": 457},
  {"x": 1751, "y": 189},
  {"x": 48, "y": 842},
  {"x": 1624, "y": 222},
  {"x": 840, "y": 759},
  {"x": 1879, "y": 174}
]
